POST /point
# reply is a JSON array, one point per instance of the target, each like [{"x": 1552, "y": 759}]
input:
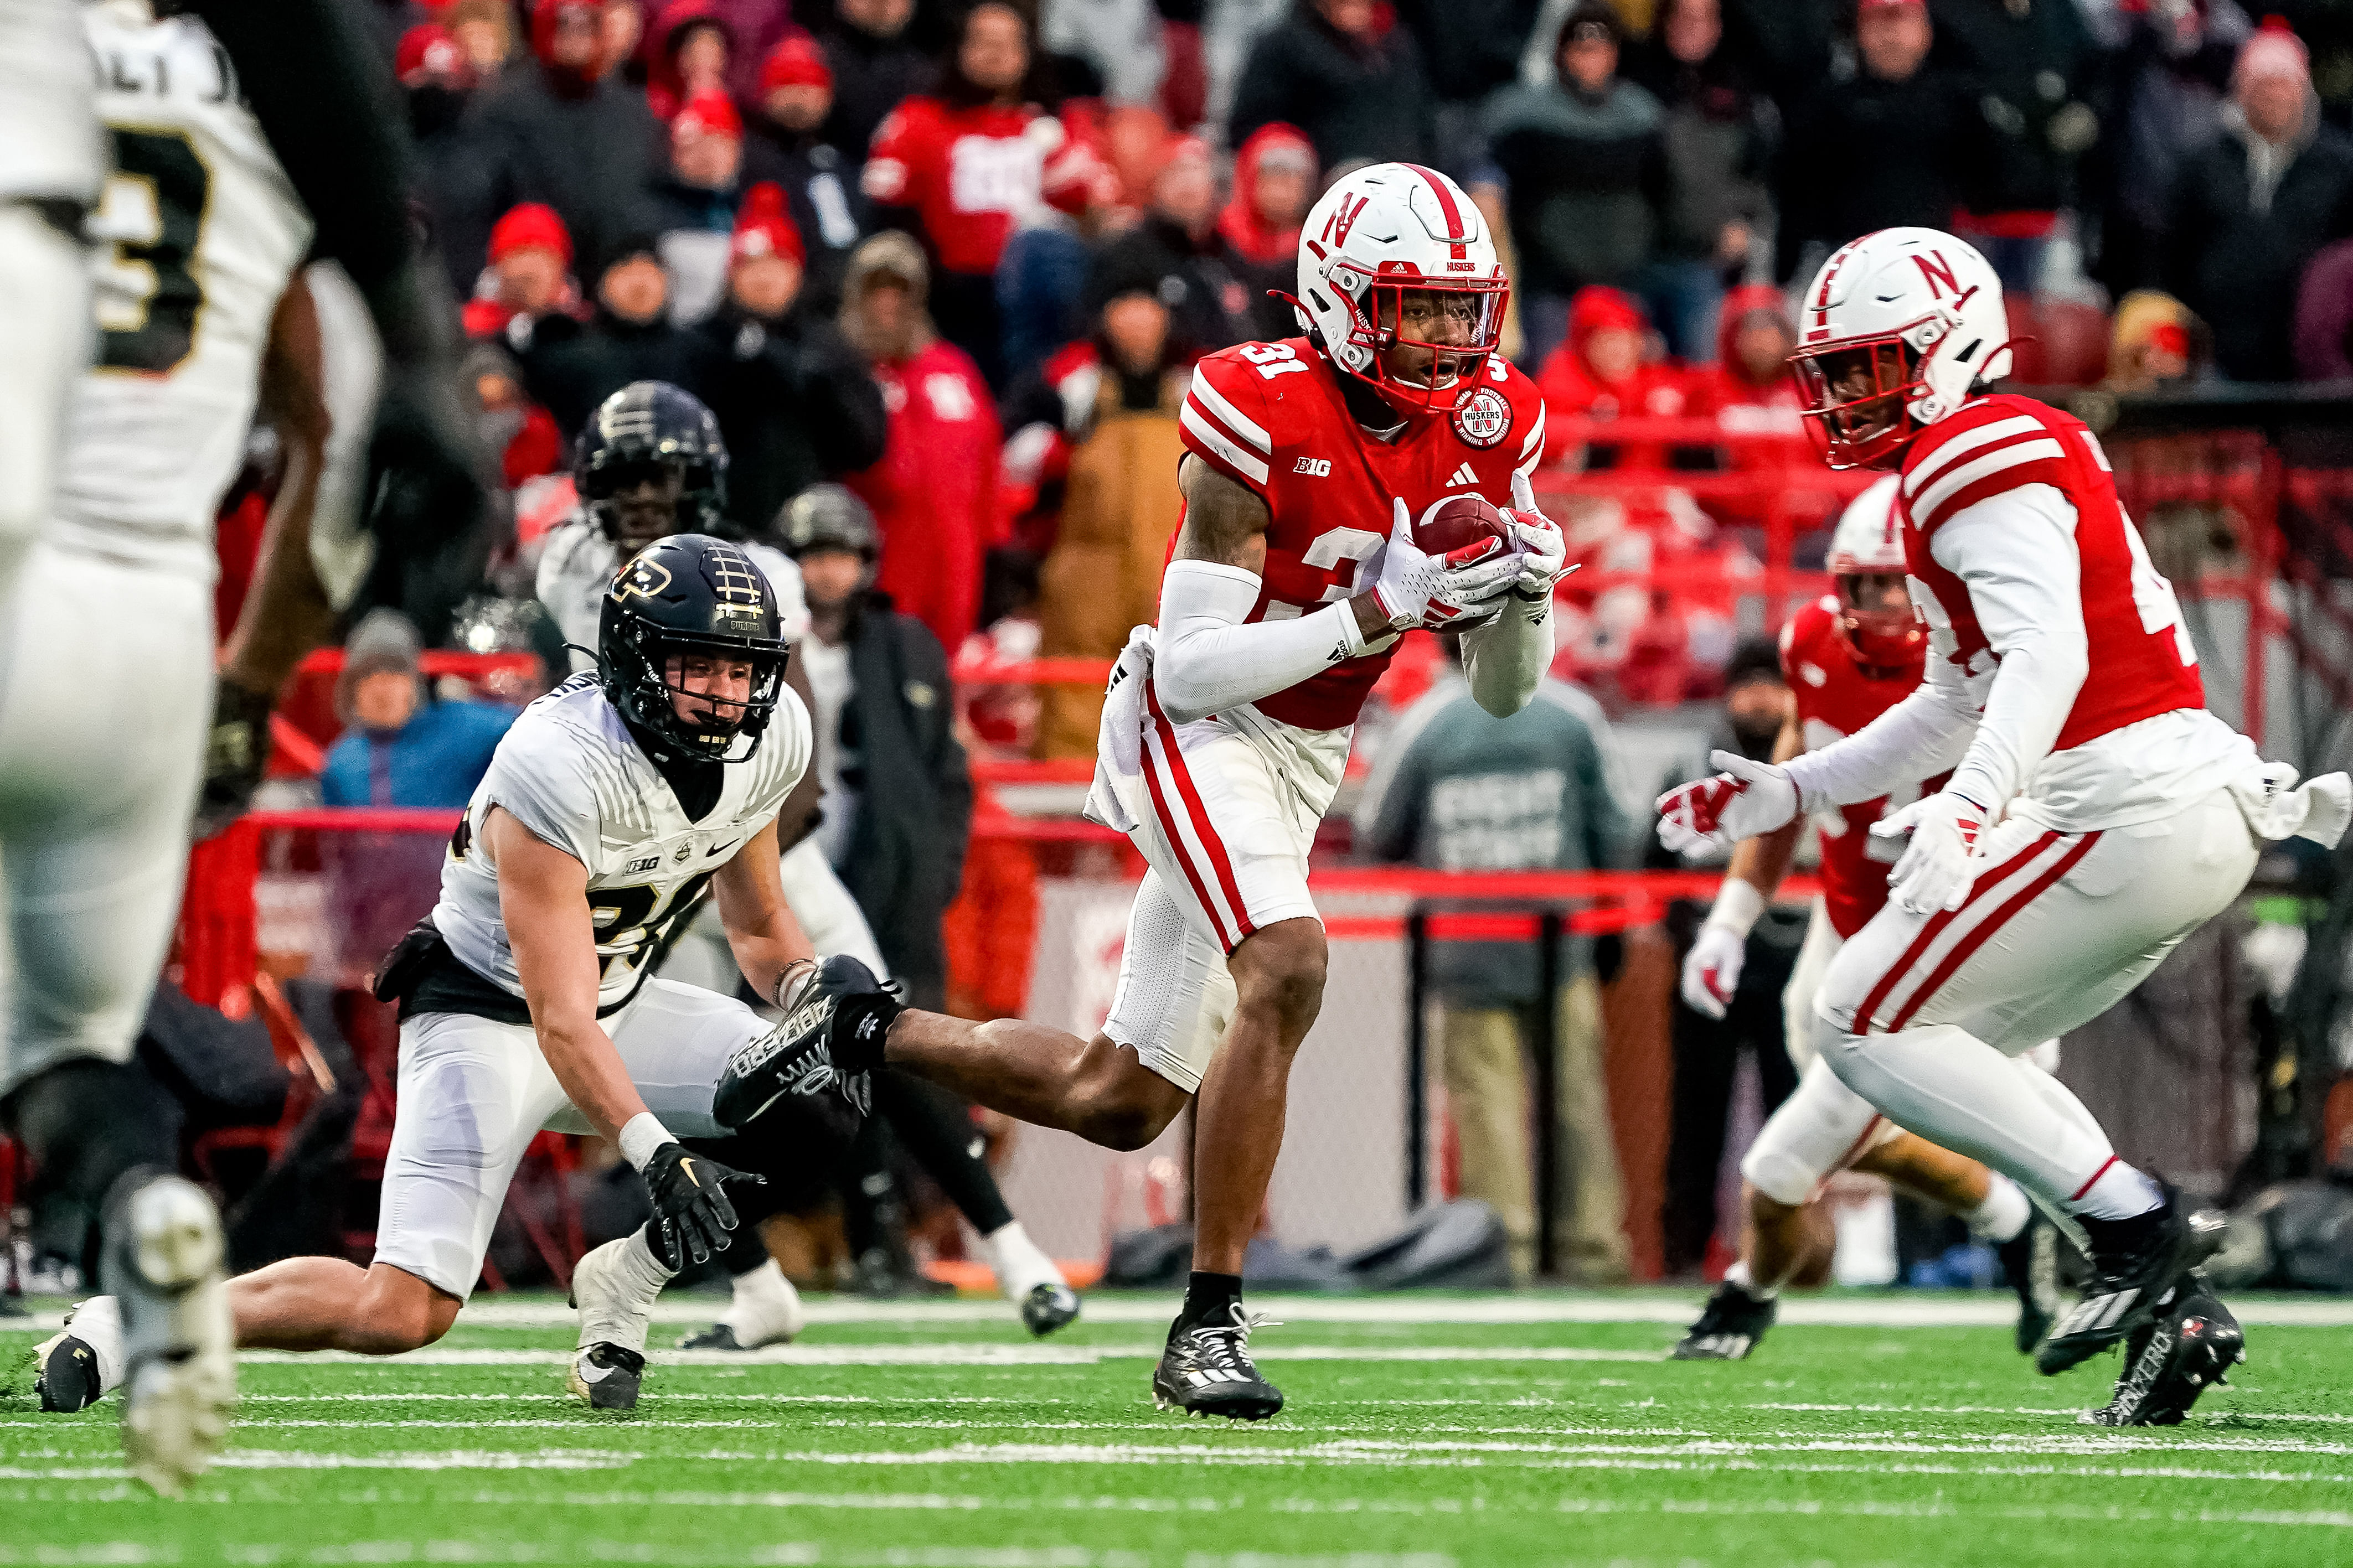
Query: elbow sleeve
[{"x": 1506, "y": 659}]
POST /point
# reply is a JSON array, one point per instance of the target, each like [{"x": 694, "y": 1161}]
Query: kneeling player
[
  {"x": 526, "y": 997},
  {"x": 1849, "y": 657}
]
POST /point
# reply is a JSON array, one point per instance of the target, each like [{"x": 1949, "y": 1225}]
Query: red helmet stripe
[{"x": 1445, "y": 205}]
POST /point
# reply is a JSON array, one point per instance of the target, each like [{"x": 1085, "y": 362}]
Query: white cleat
[
  {"x": 178, "y": 1338},
  {"x": 767, "y": 1311},
  {"x": 615, "y": 1293}
]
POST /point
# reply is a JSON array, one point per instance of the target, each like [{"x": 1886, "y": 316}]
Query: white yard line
[{"x": 950, "y": 1356}]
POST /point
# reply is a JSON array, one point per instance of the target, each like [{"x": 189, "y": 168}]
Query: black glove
[
  {"x": 237, "y": 751},
  {"x": 691, "y": 1213}
]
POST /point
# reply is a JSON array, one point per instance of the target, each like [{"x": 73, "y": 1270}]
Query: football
[{"x": 1459, "y": 520}]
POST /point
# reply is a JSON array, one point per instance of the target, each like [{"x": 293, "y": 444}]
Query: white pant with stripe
[{"x": 1226, "y": 810}]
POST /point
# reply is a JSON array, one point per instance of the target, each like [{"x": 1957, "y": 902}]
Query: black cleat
[
  {"x": 1731, "y": 1325},
  {"x": 830, "y": 1040},
  {"x": 2189, "y": 1346},
  {"x": 66, "y": 1374},
  {"x": 606, "y": 1377},
  {"x": 2031, "y": 1259},
  {"x": 1049, "y": 1307},
  {"x": 1207, "y": 1370},
  {"x": 2136, "y": 1264},
  {"x": 717, "y": 1337}
]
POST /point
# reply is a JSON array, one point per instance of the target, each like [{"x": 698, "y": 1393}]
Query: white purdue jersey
[
  {"x": 196, "y": 233},
  {"x": 576, "y": 566},
  {"x": 570, "y": 770},
  {"x": 49, "y": 146}
]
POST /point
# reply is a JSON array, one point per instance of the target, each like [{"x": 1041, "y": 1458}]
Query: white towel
[
  {"x": 2276, "y": 809},
  {"x": 1119, "y": 744}
]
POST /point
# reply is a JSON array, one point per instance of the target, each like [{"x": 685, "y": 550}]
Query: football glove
[
  {"x": 1544, "y": 549},
  {"x": 1417, "y": 589},
  {"x": 1711, "y": 969},
  {"x": 1743, "y": 801},
  {"x": 691, "y": 1211},
  {"x": 1937, "y": 866},
  {"x": 237, "y": 752}
]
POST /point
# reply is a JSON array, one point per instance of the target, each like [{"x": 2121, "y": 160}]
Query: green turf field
[{"x": 943, "y": 1437}]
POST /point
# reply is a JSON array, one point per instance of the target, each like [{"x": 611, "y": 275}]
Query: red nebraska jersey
[
  {"x": 965, "y": 172},
  {"x": 1836, "y": 696},
  {"x": 1271, "y": 416},
  {"x": 2142, "y": 663}
]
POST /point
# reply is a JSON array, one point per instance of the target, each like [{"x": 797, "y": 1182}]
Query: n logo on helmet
[
  {"x": 1938, "y": 272},
  {"x": 1344, "y": 218},
  {"x": 641, "y": 579}
]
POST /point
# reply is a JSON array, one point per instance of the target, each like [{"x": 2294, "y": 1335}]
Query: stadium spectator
[
  {"x": 1118, "y": 42},
  {"x": 391, "y": 21},
  {"x": 692, "y": 208},
  {"x": 935, "y": 491},
  {"x": 454, "y": 178},
  {"x": 1583, "y": 159},
  {"x": 2253, "y": 206},
  {"x": 898, "y": 796},
  {"x": 571, "y": 366},
  {"x": 1718, "y": 133},
  {"x": 2150, "y": 345},
  {"x": 1177, "y": 253},
  {"x": 1274, "y": 185},
  {"x": 1890, "y": 138},
  {"x": 2170, "y": 79},
  {"x": 1347, "y": 75},
  {"x": 876, "y": 67},
  {"x": 1748, "y": 391},
  {"x": 1708, "y": 1050},
  {"x": 795, "y": 403},
  {"x": 529, "y": 273},
  {"x": 485, "y": 31},
  {"x": 820, "y": 182},
  {"x": 1457, "y": 789},
  {"x": 621, "y": 34},
  {"x": 1603, "y": 372},
  {"x": 1096, "y": 439},
  {"x": 2324, "y": 315},
  {"x": 1041, "y": 274},
  {"x": 755, "y": 28},
  {"x": 692, "y": 49},
  {"x": 519, "y": 430},
  {"x": 563, "y": 132},
  {"x": 2033, "y": 65},
  {"x": 957, "y": 166}
]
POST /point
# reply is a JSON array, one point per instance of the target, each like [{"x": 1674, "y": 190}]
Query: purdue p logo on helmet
[{"x": 691, "y": 594}]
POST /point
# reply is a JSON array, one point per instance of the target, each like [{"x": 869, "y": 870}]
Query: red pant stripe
[
  {"x": 1977, "y": 939},
  {"x": 1174, "y": 757},
  {"x": 2077, "y": 1195},
  {"x": 1935, "y": 928}
]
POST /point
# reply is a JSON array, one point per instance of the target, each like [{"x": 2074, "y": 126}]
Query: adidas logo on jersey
[{"x": 1461, "y": 476}]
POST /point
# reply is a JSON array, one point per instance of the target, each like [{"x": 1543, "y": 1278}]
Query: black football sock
[
  {"x": 1208, "y": 1298},
  {"x": 936, "y": 1127}
]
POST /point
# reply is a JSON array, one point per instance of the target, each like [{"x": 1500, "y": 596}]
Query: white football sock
[
  {"x": 1018, "y": 1265},
  {"x": 766, "y": 1310},
  {"x": 616, "y": 1285},
  {"x": 1952, "y": 1089},
  {"x": 2003, "y": 1213},
  {"x": 644, "y": 1269},
  {"x": 2119, "y": 1192},
  {"x": 98, "y": 1324},
  {"x": 1739, "y": 1275}
]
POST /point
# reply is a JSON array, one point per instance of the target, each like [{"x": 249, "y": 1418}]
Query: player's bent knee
[
  {"x": 1777, "y": 1180},
  {"x": 1281, "y": 969},
  {"x": 1127, "y": 1108},
  {"x": 401, "y": 1312}
]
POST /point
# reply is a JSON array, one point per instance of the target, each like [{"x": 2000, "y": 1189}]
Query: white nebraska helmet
[
  {"x": 1382, "y": 231},
  {"x": 1869, "y": 539},
  {"x": 1895, "y": 328}
]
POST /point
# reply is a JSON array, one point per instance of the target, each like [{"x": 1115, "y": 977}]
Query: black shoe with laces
[
  {"x": 1731, "y": 1325},
  {"x": 1049, "y": 1307},
  {"x": 2135, "y": 1263},
  {"x": 66, "y": 1374},
  {"x": 2185, "y": 1350},
  {"x": 1207, "y": 1370},
  {"x": 829, "y": 1041},
  {"x": 2031, "y": 1259},
  {"x": 606, "y": 1376}
]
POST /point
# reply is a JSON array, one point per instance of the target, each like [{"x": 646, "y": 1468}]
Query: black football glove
[
  {"x": 691, "y": 1213},
  {"x": 237, "y": 754}
]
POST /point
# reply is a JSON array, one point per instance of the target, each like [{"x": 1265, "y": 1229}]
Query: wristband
[
  {"x": 1737, "y": 904},
  {"x": 640, "y": 1136}
]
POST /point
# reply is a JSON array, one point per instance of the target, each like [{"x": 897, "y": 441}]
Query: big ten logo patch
[{"x": 1315, "y": 467}]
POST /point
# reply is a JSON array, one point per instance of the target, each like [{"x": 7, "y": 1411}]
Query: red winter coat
[{"x": 935, "y": 491}]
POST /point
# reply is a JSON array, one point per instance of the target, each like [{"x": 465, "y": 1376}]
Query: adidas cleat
[
  {"x": 2187, "y": 1349},
  {"x": 2135, "y": 1263},
  {"x": 2031, "y": 1259},
  {"x": 1730, "y": 1326},
  {"x": 1207, "y": 1370},
  {"x": 164, "y": 1269},
  {"x": 606, "y": 1377},
  {"x": 1048, "y": 1308},
  {"x": 828, "y": 1041}
]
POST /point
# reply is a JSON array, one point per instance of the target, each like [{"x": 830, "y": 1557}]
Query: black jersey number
[
  {"x": 635, "y": 923},
  {"x": 149, "y": 296}
]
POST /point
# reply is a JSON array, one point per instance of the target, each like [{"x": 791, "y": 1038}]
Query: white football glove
[
  {"x": 1711, "y": 969},
  {"x": 1743, "y": 801},
  {"x": 1418, "y": 589},
  {"x": 1544, "y": 548},
  {"x": 1939, "y": 865}
]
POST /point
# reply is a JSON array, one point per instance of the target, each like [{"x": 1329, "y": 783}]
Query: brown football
[{"x": 1459, "y": 520}]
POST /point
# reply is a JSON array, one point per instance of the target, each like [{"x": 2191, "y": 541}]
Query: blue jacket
[{"x": 436, "y": 760}]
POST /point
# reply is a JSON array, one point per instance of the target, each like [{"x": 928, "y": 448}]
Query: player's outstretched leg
[
  {"x": 2185, "y": 1350},
  {"x": 1996, "y": 1211},
  {"x": 164, "y": 1265}
]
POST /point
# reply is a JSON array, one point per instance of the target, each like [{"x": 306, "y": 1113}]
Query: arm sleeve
[
  {"x": 1918, "y": 738},
  {"x": 2017, "y": 552},
  {"x": 1507, "y": 656},
  {"x": 1204, "y": 657}
]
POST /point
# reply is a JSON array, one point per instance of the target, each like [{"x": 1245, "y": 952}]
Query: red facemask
[
  {"x": 1882, "y": 639},
  {"x": 1868, "y": 430}
]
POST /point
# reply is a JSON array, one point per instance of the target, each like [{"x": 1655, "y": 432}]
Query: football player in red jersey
[
  {"x": 2095, "y": 813},
  {"x": 1849, "y": 657},
  {"x": 1226, "y": 729}
]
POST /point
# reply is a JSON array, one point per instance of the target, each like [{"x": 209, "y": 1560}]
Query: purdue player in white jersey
[
  {"x": 196, "y": 233},
  {"x": 527, "y": 996}
]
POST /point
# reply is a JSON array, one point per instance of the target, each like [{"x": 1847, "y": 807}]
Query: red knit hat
[
  {"x": 427, "y": 47},
  {"x": 533, "y": 226},
  {"x": 764, "y": 228},
  {"x": 796, "y": 62},
  {"x": 708, "y": 113}
]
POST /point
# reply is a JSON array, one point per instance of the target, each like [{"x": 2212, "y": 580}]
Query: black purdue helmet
[
  {"x": 689, "y": 593},
  {"x": 645, "y": 429}
]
